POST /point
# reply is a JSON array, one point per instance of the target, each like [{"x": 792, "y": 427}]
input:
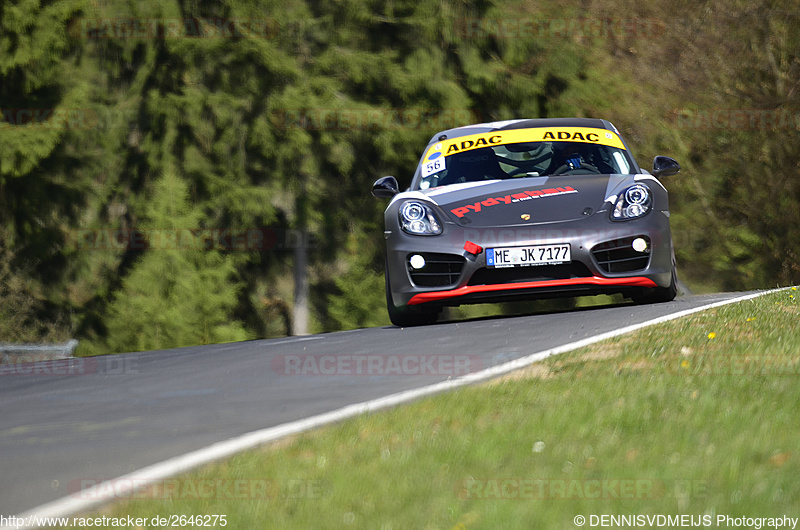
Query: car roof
[{"x": 522, "y": 124}]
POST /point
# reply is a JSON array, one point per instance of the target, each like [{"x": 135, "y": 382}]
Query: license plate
[{"x": 528, "y": 256}]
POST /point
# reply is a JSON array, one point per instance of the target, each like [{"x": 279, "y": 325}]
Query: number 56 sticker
[{"x": 434, "y": 164}]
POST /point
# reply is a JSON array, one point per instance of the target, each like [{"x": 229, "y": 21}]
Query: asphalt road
[{"x": 101, "y": 418}]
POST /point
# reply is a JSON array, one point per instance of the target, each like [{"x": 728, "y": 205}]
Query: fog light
[
  {"x": 639, "y": 244},
  {"x": 417, "y": 261}
]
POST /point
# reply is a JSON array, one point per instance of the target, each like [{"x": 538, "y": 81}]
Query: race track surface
[{"x": 104, "y": 417}]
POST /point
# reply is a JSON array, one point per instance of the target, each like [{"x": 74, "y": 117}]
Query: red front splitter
[{"x": 636, "y": 281}]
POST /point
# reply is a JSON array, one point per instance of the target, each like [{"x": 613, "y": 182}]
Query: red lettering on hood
[{"x": 461, "y": 211}]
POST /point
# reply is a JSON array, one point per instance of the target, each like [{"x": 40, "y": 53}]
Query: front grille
[
  {"x": 565, "y": 271},
  {"x": 440, "y": 270},
  {"x": 619, "y": 256}
]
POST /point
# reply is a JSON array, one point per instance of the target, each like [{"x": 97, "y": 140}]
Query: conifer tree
[{"x": 177, "y": 293}]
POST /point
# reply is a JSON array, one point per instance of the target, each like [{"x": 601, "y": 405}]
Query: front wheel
[
  {"x": 659, "y": 294},
  {"x": 408, "y": 316}
]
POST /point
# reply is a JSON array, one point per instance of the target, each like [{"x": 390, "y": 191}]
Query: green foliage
[
  {"x": 21, "y": 304},
  {"x": 173, "y": 296},
  {"x": 360, "y": 297},
  {"x": 253, "y": 127},
  {"x": 35, "y": 60}
]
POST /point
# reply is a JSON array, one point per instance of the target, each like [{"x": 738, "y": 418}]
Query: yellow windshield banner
[{"x": 588, "y": 135}]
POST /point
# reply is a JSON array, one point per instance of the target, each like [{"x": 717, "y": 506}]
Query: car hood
[{"x": 526, "y": 201}]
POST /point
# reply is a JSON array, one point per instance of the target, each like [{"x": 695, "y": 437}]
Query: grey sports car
[{"x": 525, "y": 209}]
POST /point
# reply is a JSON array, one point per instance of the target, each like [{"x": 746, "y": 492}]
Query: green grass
[{"x": 691, "y": 424}]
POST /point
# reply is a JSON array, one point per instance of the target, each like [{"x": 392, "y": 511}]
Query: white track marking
[{"x": 122, "y": 487}]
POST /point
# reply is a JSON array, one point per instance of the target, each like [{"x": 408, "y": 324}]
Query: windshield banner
[{"x": 538, "y": 134}]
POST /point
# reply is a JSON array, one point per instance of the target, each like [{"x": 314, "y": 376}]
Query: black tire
[
  {"x": 408, "y": 316},
  {"x": 658, "y": 295}
]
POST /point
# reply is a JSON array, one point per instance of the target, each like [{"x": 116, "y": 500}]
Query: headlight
[
  {"x": 632, "y": 203},
  {"x": 418, "y": 219}
]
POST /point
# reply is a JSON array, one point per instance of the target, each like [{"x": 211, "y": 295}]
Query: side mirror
[
  {"x": 664, "y": 166},
  {"x": 385, "y": 188}
]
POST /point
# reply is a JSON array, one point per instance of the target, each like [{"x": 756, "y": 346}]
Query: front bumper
[{"x": 601, "y": 262}]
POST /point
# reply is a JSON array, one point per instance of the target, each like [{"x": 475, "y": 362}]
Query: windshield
[{"x": 476, "y": 159}]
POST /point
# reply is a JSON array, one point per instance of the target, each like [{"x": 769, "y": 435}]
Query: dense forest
[{"x": 161, "y": 161}]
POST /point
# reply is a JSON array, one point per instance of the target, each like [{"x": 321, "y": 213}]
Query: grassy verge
[{"x": 696, "y": 416}]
